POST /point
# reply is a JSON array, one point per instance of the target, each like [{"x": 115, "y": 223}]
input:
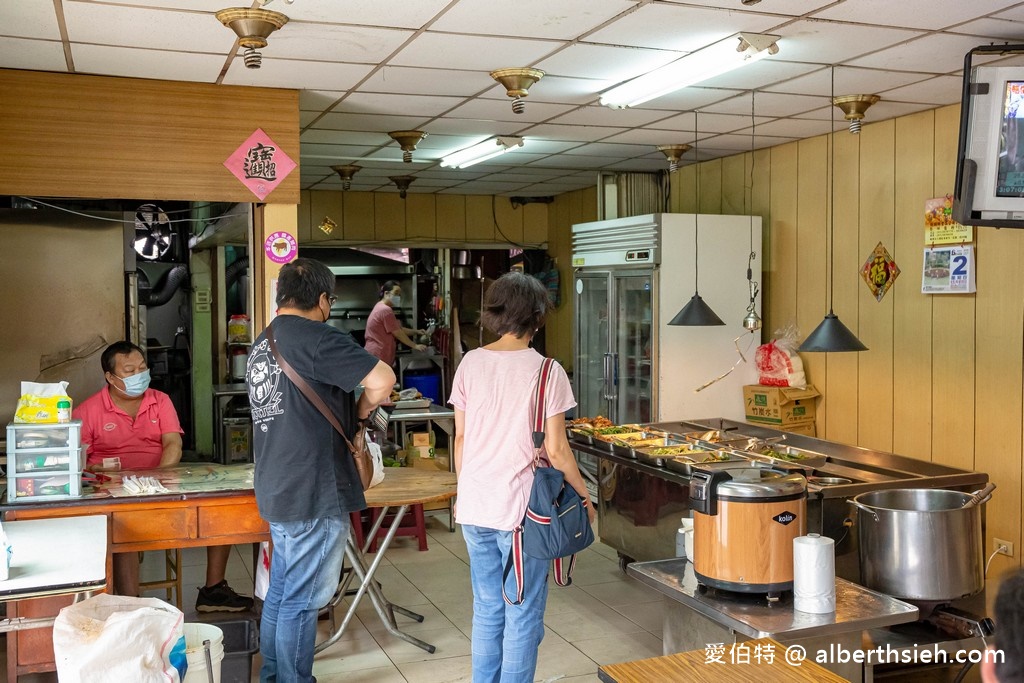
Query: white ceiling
[{"x": 366, "y": 67}]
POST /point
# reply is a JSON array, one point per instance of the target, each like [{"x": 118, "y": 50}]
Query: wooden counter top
[{"x": 696, "y": 665}]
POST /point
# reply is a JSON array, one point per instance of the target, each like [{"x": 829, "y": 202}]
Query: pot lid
[{"x": 762, "y": 483}]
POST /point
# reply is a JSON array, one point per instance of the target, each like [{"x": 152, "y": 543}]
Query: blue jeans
[
  {"x": 505, "y": 637},
  {"x": 304, "y": 573}
]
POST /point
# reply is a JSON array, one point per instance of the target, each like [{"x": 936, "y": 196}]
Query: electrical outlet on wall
[{"x": 1003, "y": 547}]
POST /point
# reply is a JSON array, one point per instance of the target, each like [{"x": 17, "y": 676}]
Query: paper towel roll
[{"x": 814, "y": 574}]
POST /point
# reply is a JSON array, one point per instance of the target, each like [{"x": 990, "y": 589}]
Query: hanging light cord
[
  {"x": 696, "y": 206},
  {"x": 751, "y": 285},
  {"x": 831, "y": 149}
]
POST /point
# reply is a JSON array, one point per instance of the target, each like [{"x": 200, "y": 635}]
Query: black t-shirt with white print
[{"x": 303, "y": 468}]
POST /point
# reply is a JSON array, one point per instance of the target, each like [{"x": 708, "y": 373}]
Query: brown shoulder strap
[{"x": 304, "y": 387}]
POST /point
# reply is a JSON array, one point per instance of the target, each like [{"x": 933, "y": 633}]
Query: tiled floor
[{"x": 603, "y": 617}]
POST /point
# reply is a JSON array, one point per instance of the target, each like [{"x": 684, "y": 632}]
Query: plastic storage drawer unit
[{"x": 44, "y": 461}]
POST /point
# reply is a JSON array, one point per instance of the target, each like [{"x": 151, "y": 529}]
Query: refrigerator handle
[{"x": 609, "y": 372}]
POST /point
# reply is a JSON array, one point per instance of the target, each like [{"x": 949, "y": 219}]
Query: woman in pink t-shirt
[{"x": 493, "y": 393}]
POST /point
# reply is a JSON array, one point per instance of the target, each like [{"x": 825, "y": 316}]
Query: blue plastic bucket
[{"x": 428, "y": 384}]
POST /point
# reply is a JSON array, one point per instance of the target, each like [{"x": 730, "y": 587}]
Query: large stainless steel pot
[{"x": 920, "y": 544}]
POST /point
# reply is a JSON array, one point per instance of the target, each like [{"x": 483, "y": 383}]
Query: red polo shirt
[{"x": 111, "y": 432}]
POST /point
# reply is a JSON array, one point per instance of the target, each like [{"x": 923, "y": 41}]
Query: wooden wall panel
[
  {"x": 305, "y": 201},
  {"x": 388, "y": 216},
  {"x": 479, "y": 218},
  {"x": 684, "y": 195},
  {"x": 877, "y": 207},
  {"x": 509, "y": 220},
  {"x": 780, "y": 271},
  {"x": 811, "y": 255},
  {"x": 843, "y": 399},
  {"x": 953, "y": 323},
  {"x": 359, "y": 217},
  {"x": 421, "y": 217},
  {"x": 711, "y": 186},
  {"x": 735, "y": 195},
  {"x": 912, "y": 310},
  {"x": 325, "y": 204},
  {"x": 67, "y": 135},
  {"x": 535, "y": 224},
  {"x": 997, "y": 400},
  {"x": 451, "y": 217}
]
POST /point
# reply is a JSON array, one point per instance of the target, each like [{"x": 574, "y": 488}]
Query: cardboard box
[
  {"x": 417, "y": 452},
  {"x": 803, "y": 428},
  {"x": 779, "y": 406},
  {"x": 417, "y": 439}
]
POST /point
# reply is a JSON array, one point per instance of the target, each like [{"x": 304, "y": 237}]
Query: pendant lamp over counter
[
  {"x": 832, "y": 336},
  {"x": 696, "y": 312}
]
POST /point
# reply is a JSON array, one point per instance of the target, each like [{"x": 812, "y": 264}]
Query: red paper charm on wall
[
  {"x": 879, "y": 271},
  {"x": 260, "y": 164}
]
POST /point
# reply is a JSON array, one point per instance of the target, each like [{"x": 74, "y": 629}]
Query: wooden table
[
  {"x": 401, "y": 488},
  {"x": 210, "y": 505},
  {"x": 731, "y": 666}
]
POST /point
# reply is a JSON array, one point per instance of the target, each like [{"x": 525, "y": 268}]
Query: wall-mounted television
[{"x": 990, "y": 158}]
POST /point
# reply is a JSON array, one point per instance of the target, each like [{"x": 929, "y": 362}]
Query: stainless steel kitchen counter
[{"x": 857, "y": 608}]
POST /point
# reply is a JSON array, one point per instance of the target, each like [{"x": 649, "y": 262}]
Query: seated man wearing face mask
[{"x": 139, "y": 426}]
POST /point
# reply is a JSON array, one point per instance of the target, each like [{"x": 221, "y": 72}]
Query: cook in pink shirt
[{"x": 383, "y": 331}]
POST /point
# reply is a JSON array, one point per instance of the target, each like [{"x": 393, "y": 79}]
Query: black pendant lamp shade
[
  {"x": 832, "y": 336},
  {"x": 696, "y": 313}
]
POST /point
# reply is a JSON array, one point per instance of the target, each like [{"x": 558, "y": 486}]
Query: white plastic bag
[
  {"x": 378, "y": 463},
  {"x": 778, "y": 363},
  {"x": 263, "y": 572},
  {"x": 114, "y": 638}
]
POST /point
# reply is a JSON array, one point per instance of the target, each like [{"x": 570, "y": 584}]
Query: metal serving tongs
[{"x": 980, "y": 496}]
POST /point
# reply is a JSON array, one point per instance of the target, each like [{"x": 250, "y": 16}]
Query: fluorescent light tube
[
  {"x": 488, "y": 149},
  {"x": 715, "y": 59}
]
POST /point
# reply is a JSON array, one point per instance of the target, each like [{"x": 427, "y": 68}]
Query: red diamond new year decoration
[{"x": 260, "y": 164}]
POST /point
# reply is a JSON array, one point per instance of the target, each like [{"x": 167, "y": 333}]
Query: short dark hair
[
  {"x": 121, "y": 348},
  {"x": 387, "y": 287},
  {"x": 1009, "y": 611},
  {"x": 515, "y": 304},
  {"x": 301, "y": 282}
]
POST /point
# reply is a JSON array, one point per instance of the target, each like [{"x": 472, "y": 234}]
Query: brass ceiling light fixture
[
  {"x": 673, "y": 153},
  {"x": 253, "y": 27},
  {"x": 517, "y": 83},
  {"x": 696, "y": 312},
  {"x": 853, "y": 107},
  {"x": 402, "y": 182},
  {"x": 831, "y": 335},
  {"x": 407, "y": 140},
  {"x": 345, "y": 173}
]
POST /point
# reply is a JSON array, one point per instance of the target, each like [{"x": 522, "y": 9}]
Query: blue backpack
[{"x": 556, "y": 525}]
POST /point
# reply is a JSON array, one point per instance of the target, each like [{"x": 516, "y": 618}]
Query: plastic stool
[
  {"x": 416, "y": 528},
  {"x": 172, "y": 576}
]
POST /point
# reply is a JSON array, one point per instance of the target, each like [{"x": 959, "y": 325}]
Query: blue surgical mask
[
  {"x": 396, "y": 301},
  {"x": 135, "y": 385}
]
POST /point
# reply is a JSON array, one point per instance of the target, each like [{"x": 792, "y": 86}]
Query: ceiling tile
[
  {"x": 938, "y": 53},
  {"x": 410, "y": 105},
  {"x": 670, "y": 27},
  {"x": 158, "y": 64},
  {"x": 293, "y": 73},
  {"x": 411, "y": 81},
  {"x": 848, "y": 80},
  {"x": 399, "y": 13},
  {"x": 210, "y": 6},
  {"x": 823, "y": 42},
  {"x": 326, "y": 153},
  {"x": 791, "y": 8},
  {"x": 596, "y": 115},
  {"x": 791, "y": 128},
  {"x": 614, "y": 64},
  {"x": 770, "y": 104},
  {"x": 447, "y": 51},
  {"x": 909, "y": 14},
  {"x": 458, "y": 126},
  {"x": 30, "y": 20},
  {"x": 368, "y": 122},
  {"x": 330, "y": 42},
  {"x": 307, "y": 117},
  {"x": 688, "y": 99},
  {"x": 576, "y": 162},
  {"x": 23, "y": 53},
  {"x": 318, "y": 100},
  {"x": 1015, "y": 13},
  {"x": 639, "y": 165},
  {"x": 565, "y": 19},
  {"x": 572, "y": 133},
  {"x": 610, "y": 149},
  {"x": 147, "y": 28},
  {"x": 541, "y": 146},
  {"x": 341, "y": 137},
  {"x": 936, "y": 91},
  {"x": 1012, "y": 31},
  {"x": 709, "y": 123},
  {"x": 501, "y": 110},
  {"x": 556, "y": 89},
  {"x": 741, "y": 143},
  {"x": 760, "y": 75},
  {"x": 653, "y": 138}
]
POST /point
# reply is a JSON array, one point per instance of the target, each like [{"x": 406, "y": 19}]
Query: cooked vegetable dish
[{"x": 772, "y": 453}]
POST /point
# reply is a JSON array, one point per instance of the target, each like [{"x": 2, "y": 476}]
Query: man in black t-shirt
[{"x": 306, "y": 481}]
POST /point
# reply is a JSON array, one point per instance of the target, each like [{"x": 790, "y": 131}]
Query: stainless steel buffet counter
[
  {"x": 640, "y": 504},
  {"x": 695, "y": 618}
]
